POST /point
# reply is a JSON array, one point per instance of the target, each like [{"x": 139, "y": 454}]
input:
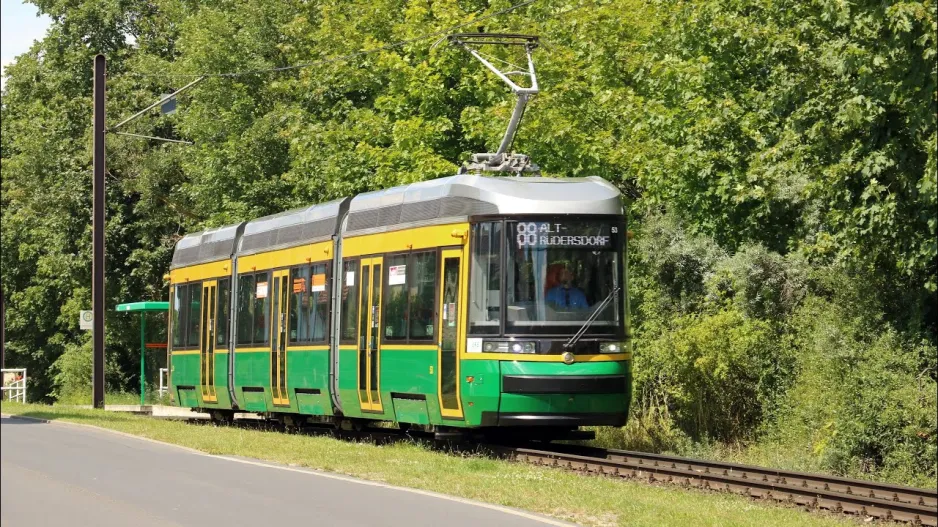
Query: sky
[{"x": 19, "y": 27}]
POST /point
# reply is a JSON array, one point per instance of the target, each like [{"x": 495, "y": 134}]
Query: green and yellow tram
[{"x": 458, "y": 303}]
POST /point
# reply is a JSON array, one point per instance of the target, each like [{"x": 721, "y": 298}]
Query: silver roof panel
[
  {"x": 455, "y": 198},
  {"x": 291, "y": 228},
  {"x": 205, "y": 246}
]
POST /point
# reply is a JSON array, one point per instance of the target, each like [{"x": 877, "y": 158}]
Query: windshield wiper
[{"x": 586, "y": 325}]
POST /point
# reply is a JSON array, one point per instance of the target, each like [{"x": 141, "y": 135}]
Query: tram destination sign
[{"x": 572, "y": 235}]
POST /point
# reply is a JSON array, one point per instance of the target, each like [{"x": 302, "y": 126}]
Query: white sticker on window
[
  {"x": 350, "y": 278},
  {"x": 261, "y": 291},
  {"x": 397, "y": 274},
  {"x": 474, "y": 345}
]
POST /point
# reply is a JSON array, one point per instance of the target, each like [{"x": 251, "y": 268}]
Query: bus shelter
[{"x": 143, "y": 308}]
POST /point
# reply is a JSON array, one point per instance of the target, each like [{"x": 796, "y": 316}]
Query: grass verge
[{"x": 567, "y": 496}]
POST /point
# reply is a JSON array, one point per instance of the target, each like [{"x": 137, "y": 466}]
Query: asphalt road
[{"x": 60, "y": 474}]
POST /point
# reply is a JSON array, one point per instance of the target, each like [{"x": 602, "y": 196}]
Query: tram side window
[
  {"x": 194, "y": 314},
  {"x": 309, "y": 306},
  {"x": 485, "y": 296},
  {"x": 245, "y": 309},
  {"x": 262, "y": 308},
  {"x": 186, "y": 315},
  {"x": 395, "y": 307},
  {"x": 178, "y": 340},
  {"x": 223, "y": 312},
  {"x": 423, "y": 293},
  {"x": 299, "y": 304},
  {"x": 410, "y": 297},
  {"x": 350, "y": 284}
]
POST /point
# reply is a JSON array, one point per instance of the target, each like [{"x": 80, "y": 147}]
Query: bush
[
  {"x": 864, "y": 398},
  {"x": 670, "y": 266},
  {"x": 716, "y": 373},
  {"x": 73, "y": 373},
  {"x": 764, "y": 284}
]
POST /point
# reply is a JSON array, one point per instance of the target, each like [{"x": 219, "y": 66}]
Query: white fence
[
  {"x": 14, "y": 384},
  {"x": 163, "y": 373}
]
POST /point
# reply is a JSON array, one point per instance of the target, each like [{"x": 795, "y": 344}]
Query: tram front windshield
[{"x": 557, "y": 274}]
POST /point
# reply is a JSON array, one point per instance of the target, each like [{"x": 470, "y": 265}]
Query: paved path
[{"x": 58, "y": 474}]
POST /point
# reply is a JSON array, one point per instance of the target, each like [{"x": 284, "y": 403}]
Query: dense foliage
[{"x": 785, "y": 256}]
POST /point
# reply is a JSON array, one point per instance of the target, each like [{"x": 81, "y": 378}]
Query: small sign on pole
[
  {"x": 86, "y": 320},
  {"x": 169, "y": 105}
]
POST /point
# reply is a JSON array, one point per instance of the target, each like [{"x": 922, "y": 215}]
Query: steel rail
[
  {"x": 867, "y": 498},
  {"x": 874, "y": 489}
]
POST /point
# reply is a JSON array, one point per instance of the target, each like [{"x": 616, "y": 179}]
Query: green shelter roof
[{"x": 144, "y": 306}]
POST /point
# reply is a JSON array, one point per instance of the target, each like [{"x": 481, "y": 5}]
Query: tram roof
[
  {"x": 294, "y": 227},
  {"x": 438, "y": 201},
  {"x": 205, "y": 246},
  {"x": 456, "y": 198}
]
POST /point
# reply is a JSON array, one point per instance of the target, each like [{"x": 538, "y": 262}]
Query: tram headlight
[
  {"x": 494, "y": 346},
  {"x": 612, "y": 347}
]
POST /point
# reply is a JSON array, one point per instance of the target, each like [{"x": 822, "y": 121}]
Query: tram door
[
  {"x": 207, "y": 342},
  {"x": 278, "y": 337},
  {"x": 368, "y": 327},
  {"x": 450, "y": 332}
]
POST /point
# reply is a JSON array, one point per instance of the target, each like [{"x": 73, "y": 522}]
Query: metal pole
[
  {"x": 3, "y": 329},
  {"x": 513, "y": 123},
  {"x": 143, "y": 350},
  {"x": 97, "y": 229}
]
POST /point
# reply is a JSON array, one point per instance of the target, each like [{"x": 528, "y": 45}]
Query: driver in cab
[{"x": 565, "y": 295}]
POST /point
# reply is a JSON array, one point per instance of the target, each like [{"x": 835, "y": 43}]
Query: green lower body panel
[
  {"x": 408, "y": 374},
  {"x": 411, "y": 411},
  {"x": 194, "y": 391},
  {"x": 306, "y": 387},
  {"x": 253, "y": 400},
  {"x": 492, "y": 392}
]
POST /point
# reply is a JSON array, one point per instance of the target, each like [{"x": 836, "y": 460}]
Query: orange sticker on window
[
  {"x": 319, "y": 282},
  {"x": 299, "y": 285}
]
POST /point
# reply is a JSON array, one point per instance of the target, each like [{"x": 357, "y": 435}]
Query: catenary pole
[
  {"x": 97, "y": 229},
  {"x": 143, "y": 354},
  {"x": 3, "y": 329}
]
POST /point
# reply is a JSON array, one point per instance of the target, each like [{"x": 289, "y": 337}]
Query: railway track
[{"x": 867, "y": 499}]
